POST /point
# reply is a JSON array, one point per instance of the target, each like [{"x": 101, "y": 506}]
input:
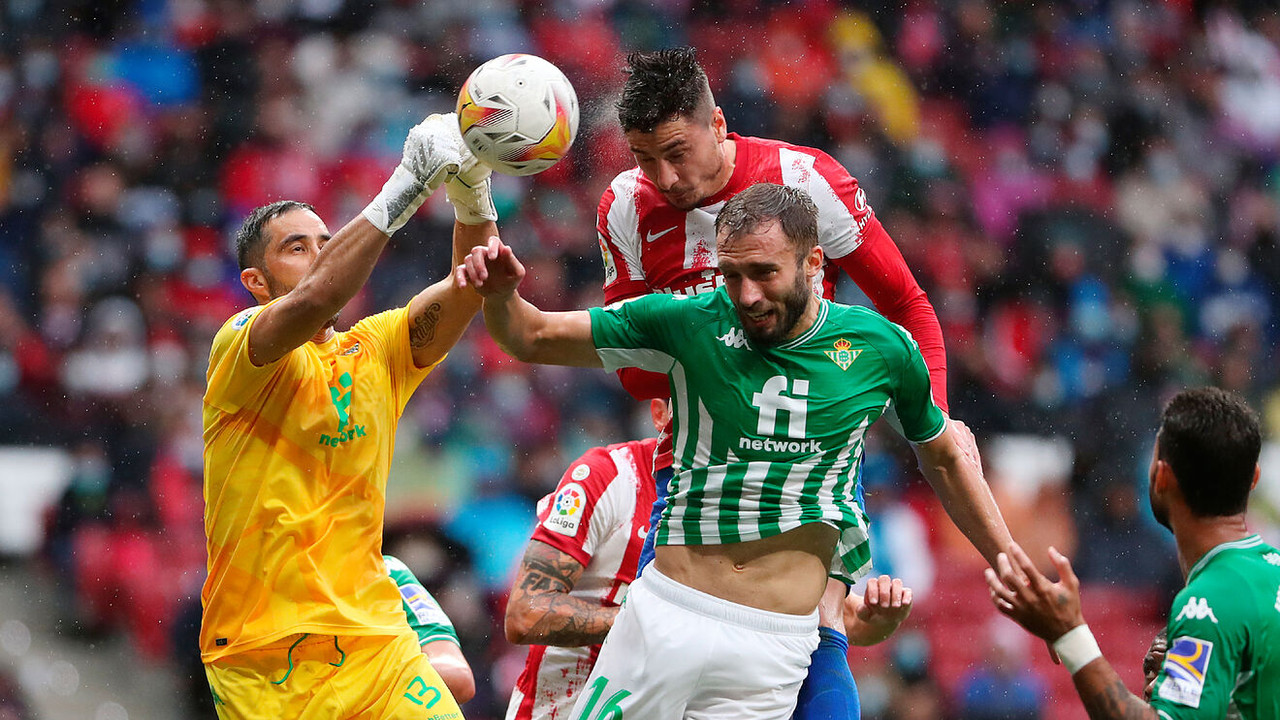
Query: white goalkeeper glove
[
  {"x": 469, "y": 190},
  {"x": 432, "y": 154}
]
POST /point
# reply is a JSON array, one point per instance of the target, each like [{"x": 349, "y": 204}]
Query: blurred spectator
[{"x": 1004, "y": 688}]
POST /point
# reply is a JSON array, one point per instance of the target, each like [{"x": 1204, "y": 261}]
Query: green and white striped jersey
[
  {"x": 767, "y": 439},
  {"x": 424, "y": 614}
]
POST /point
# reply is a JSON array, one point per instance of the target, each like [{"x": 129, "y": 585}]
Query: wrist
[
  {"x": 1077, "y": 648},
  {"x": 400, "y": 198},
  {"x": 472, "y": 204}
]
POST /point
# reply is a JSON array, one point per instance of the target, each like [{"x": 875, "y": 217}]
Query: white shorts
[{"x": 675, "y": 652}]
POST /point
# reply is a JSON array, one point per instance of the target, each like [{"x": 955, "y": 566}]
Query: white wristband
[{"x": 1077, "y": 648}]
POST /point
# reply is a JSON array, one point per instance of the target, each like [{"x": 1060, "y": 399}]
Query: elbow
[
  {"x": 517, "y": 625},
  {"x": 460, "y": 682}
]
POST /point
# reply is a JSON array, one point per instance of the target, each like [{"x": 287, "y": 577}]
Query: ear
[
  {"x": 659, "y": 413},
  {"x": 814, "y": 261},
  {"x": 255, "y": 281},
  {"x": 1257, "y": 472},
  {"x": 718, "y": 124},
  {"x": 1164, "y": 478}
]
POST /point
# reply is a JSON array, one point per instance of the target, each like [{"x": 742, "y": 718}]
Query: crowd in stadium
[{"x": 1086, "y": 190}]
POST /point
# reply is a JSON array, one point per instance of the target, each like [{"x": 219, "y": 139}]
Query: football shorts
[{"x": 676, "y": 652}]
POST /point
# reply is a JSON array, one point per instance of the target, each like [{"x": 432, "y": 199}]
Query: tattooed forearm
[
  {"x": 423, "y": 329},
  {"x": 540, "y": 604},
  {"x": 1105, "y": 696}
]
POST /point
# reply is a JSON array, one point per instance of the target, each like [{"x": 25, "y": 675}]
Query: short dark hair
[
  {"x": 250, "y": 241},
  {"x": 765, "y": 202},
  {"x": 1211, "y": 440},
  {"x": 663, "y": 85}
]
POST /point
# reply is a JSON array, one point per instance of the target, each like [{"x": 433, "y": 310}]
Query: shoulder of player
[
  {"x": 594, "y": 470},
  {"x": 623, "y": 189},
  {"x": 1220, "y": 594}
]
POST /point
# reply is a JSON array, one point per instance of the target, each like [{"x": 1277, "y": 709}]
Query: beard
[{"x": 789, "y": 314}]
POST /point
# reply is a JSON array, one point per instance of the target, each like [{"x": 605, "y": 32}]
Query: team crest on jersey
[
  {"x": 580, "y": 472},
  {"x": 567, "y": 510},
  {"x": 1185, "y": 668},
  {"x": 843, "y": 355}
]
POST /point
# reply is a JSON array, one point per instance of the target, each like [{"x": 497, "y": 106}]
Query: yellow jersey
[{"x": 296, "y": 457}]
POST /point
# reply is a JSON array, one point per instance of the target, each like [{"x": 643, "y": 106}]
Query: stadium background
[{"x": 1086, "y": 189}]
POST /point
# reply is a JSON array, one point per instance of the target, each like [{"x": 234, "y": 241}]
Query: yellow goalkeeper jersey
[{"x": 296, "y": 456}]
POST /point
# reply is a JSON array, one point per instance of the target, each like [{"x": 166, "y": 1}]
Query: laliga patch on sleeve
[
  {"x": 243, "y": 318},
  {"x": 1185, "y": 667},
  {"x": 567, "y": 509}
]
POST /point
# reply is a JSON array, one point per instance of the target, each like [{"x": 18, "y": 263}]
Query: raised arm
[
  {"x": 520, "y": 329},
  {"x": 541, "y": 611},
  {"x": 343, "y": 263},
  {"x": 1051, "y": 611},
  {"x": 958, "y": 482}
]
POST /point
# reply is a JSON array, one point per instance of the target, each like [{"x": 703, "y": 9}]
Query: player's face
[
  {"x": 684, "y": 157},
  {"x": 771, "y": 288},
  {"x": 294, "y": 240}
]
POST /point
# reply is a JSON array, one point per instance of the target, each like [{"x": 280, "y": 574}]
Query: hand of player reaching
[
  {"x": 877, "y": 613},
  {"x": 491, "y": 269},
  {"x": 1046, "y": 609}
]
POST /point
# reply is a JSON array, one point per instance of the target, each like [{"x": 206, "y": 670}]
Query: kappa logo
[
  {"x": 351, "y": 350},
  {"x": 843, "y": 355},
  {"x": 650, "y": 237},
  {"x": 1273, "y": 558},
  {"x": 1197, "y": 609},
  {"x": 734, "y": 338}
]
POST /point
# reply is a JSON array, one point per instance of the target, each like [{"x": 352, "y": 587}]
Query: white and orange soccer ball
[{"x": 518, "y": 113}]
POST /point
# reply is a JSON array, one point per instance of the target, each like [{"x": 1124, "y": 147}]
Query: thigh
[
  {"x": 289, "y": 678},
  {"x": 644, "y": 670},
  {"x": 754, "y": 675},
  {"x": 390, "y": 679}
]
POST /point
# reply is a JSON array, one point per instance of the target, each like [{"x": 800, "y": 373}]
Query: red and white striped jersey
[
  {"x": 651, "y": 246},
  {"x": 599, "y": 516}
]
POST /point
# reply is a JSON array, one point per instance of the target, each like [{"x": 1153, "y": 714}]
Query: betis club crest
[{"x": 843, "y": 355}]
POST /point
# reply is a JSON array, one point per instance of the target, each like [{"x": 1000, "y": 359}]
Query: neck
[
  {"x": 1196, "y": 536},
  {"x": 806, "y": 320},
  {"x": 730, "y": 150}
]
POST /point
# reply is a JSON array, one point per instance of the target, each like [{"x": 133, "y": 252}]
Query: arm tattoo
[
  {"x": 542, "y": 590},
  {"x": 423, "y": 329},
  {"x": 1111, "y": 699}
]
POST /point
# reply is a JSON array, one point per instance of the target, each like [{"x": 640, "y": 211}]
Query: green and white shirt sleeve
[
  {"x": 922, "y": 420},
  {"x": 639, "y": 333},
  {"x": 425, "y": 615}
]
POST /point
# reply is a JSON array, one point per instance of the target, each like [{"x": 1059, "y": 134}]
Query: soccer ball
[{"x": 518, "y": 114}]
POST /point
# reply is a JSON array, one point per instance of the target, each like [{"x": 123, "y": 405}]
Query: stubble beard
[{"x": 793, "y": 307}]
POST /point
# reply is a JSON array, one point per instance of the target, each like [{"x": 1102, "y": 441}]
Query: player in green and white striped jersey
[
  {"x": 772, "y": 391},
  {"x": 436, "y": 635}
]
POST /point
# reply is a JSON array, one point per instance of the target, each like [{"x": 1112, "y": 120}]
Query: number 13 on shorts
[{"x": 598, "y": 707}]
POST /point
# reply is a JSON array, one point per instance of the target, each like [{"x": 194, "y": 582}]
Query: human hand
[
  {"x": 432, "y": 154},
  {"x": 878, "y": 613},
  {"x": 469, "y": 190},
  {"x": 492, "y": 269},
  {"x": 1046, "y": 609},
  {"x": 1153, "y": 661}
]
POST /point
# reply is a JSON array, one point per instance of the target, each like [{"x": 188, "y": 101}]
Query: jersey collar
[
  {"x": 807, "y": 335},
  {"x": 1241, "y": 544}
]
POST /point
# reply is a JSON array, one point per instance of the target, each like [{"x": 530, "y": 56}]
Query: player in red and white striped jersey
[
  {"x": 576, "y": 569},
  {"x": 656, "y": 224}
]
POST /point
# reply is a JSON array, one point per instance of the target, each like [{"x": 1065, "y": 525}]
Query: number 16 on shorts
[{"x": 596, "y": 707}]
